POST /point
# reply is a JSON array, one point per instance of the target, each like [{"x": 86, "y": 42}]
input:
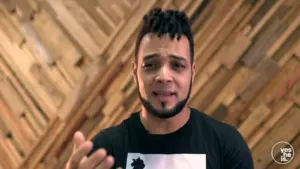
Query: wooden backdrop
[{"x": 65, "y": 65}]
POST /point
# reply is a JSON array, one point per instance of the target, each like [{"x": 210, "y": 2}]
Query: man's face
[{"x": 164, "y": 74}]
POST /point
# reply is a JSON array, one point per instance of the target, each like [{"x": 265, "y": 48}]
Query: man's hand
[{"x": 79, "y": 159}]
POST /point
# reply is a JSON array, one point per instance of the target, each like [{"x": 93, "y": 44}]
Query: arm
[{"x": 237, "y": 154}]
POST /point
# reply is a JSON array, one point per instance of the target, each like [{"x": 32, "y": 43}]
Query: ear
[
  {"x": 193, "y": 72},
  {"x": 134, "y": 71}
]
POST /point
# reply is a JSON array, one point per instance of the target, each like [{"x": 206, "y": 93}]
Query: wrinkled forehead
[{"x": 164, "y": 45}]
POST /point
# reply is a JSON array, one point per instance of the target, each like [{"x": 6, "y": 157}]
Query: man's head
[{"x": 164, "y": 66}]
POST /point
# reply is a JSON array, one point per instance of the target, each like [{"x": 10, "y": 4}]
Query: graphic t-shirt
[{"x": 202, "y": 143}]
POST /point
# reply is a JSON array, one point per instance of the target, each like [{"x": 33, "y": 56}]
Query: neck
[{"x": 164, "y": 126}]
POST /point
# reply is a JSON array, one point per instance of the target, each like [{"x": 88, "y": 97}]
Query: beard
[{"x": 165, "y": 113}]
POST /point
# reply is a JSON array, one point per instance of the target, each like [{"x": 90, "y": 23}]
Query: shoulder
[
  {"x": 112, "y": 136},
  {"x": 108, "y": 134},
  {"x": 106, "y": 137},
  {"x": 221, "y": 129},
  {"x": 236, "y": 153}
]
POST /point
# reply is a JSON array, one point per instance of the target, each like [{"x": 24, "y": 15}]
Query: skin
[
  {"x": 79, "y": 159},
  {"x": 163, "y": 64}
]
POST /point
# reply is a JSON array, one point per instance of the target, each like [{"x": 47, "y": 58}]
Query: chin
[
  {"x": 163, "y": 110},
  {"x": 163, "y": 113},
  {"x": 165, "y": 106}
]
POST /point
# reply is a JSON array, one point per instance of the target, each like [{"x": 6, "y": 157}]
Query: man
[{"x": 166, "y": 133}]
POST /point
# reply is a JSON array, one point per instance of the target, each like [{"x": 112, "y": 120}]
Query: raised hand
[{"x": 79, "y": 159}]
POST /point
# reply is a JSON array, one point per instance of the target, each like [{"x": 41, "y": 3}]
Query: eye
[
  {"x": 178, "y": 65},
  {"x": 149, "y": 65}
]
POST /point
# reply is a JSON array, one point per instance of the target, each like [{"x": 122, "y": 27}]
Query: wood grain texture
[
  {"x": 288, "y": 123},
  {"x": 66, "y": 65}
]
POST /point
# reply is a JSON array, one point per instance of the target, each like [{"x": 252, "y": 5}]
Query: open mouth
[{"x": 164, "y": 96}]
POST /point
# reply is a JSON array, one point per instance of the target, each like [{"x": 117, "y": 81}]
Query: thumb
[{"x": 79, "y": 139}]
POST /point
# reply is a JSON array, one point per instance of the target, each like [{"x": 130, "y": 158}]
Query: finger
[
  {"x": 79, "y": 139},
  {"x": 95, "y": 159},
  {"x": 107, "y": 163},
  {"x": 80, "y": 153}
]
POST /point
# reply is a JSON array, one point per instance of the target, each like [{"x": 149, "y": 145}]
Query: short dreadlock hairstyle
[{"x": 162, "y": 22}]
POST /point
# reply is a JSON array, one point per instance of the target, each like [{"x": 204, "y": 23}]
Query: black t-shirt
[{"x": 202, "y": 143}]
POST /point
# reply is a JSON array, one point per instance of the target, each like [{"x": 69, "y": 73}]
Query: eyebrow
[
  {"x": 151, "y": 56},
  {"x": 177, "y": 57}
]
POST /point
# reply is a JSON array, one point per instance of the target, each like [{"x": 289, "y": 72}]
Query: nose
[{"x": 164, "y": 75}]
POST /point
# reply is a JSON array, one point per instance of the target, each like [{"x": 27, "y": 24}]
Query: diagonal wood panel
[{"x": 66, "y": 65}]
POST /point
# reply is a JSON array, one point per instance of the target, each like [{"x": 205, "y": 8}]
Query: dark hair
[{"x": 171, "y": 22}]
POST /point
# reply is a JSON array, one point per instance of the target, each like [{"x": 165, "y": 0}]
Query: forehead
[{"x": 164, "y": 45}]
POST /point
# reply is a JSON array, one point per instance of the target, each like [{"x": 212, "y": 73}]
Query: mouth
[{"x": 164, "y": 95}]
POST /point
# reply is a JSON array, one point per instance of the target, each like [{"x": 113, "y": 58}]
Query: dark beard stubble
[{"x": 164, "y": 114}]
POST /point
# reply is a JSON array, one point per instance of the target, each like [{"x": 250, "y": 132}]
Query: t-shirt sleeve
[{"x": 237, "y": 154}]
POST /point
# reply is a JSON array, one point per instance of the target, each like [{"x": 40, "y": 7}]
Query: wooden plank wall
[{"x": 65, "y": 65}]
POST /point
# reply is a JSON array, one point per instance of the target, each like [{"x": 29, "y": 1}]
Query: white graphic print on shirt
[{"x": 165, "y": 161}]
